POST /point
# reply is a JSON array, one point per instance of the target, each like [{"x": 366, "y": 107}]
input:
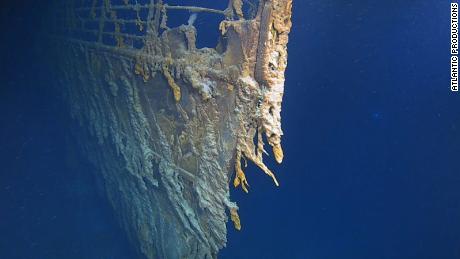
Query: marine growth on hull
[{"x": 168, "y": 125}]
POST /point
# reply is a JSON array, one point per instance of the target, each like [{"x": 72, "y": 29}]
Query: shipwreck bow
[{"x": 168, "y": 124}]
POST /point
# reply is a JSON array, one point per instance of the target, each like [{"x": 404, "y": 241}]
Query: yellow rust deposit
[
  {"x": 240, "y": 177},
  {"x": 142, "y": 70},
  {"x": 278, "y": 153},
  {"x": 238, "y": 6},
  {"x": 235, "y": 218},
  {"x": 175, "y": 88}
]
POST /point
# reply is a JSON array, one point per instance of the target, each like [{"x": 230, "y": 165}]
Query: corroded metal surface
[{"x": 167, "y": 124}]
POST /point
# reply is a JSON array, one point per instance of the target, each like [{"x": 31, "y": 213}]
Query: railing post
[{"x": 102, "y": 21}]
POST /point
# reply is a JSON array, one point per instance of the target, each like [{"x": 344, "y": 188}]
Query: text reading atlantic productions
[{"x": 454, "y": 47}]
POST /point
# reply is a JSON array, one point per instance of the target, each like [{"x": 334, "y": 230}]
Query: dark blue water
[
  {"x": 372, "y": 145},
  {"x": 50, "y": 207}
]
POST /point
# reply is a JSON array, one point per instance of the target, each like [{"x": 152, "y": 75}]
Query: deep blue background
[{"x": 372, "y": 145}]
